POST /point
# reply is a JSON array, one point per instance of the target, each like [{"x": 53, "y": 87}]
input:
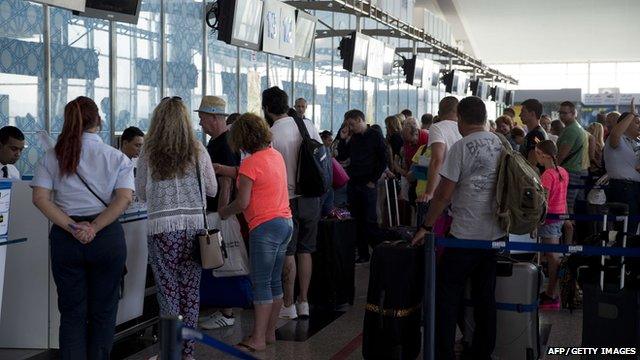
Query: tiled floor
[{"x": 340, "y": 339}]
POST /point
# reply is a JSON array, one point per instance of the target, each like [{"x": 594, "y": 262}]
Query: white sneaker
[
  {"x": 303, "y": 309},
  {"x": 288, "y": 312},
  {"x": 217, "y": 321}
]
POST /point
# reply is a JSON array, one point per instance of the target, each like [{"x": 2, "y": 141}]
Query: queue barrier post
[
  {"x": 429, "y": 302},
  {"x": 170, "y": 338}
]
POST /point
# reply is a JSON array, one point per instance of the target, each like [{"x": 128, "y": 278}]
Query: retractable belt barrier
[
  {"x": 173, "y": 333},
  {"x": 533, "y": 247}
]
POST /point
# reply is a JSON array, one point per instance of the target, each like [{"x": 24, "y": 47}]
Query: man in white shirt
[
  {"x": 11, "y": 146},
  {"x": 306, "y": 211},
  {"x": 469, "y": 176},
  {"x": 132, "y": 140},
  {"x": 442, "y": 136},
  {"x": 301, "y": 108}
]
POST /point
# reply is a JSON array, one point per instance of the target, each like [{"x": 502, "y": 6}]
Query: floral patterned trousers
[{"x": 177, "y": 277}]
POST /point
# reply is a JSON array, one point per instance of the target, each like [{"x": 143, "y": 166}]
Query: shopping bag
[{"x": 237, "y": 262}]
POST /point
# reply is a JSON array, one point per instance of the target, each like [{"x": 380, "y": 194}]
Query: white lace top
[{"x": 176, "y": 204}]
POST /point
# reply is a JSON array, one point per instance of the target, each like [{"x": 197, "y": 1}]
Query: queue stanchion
[
  {"x": 429, "y": 302},
  {"x": 170, "y": 338}
]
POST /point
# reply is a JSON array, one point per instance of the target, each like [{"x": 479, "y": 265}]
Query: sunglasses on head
[{"x": 172, "y": 98}]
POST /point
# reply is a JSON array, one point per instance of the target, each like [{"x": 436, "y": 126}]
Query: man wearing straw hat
[{"x": 213, "y": 119}]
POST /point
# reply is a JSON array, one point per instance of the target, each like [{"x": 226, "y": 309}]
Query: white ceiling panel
[{"x": 530, "y": 31}]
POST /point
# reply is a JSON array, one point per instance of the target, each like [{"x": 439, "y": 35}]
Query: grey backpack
[{"x": 522, "y": 201}]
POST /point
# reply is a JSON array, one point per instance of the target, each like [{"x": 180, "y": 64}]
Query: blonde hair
[
  {"x": 597, "y": 130},
  {"x": 393, "y": 123},
  {"x": 170, "y": 144}
]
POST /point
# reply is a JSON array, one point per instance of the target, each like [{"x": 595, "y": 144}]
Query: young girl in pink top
[{"x": 555, "y": 180}]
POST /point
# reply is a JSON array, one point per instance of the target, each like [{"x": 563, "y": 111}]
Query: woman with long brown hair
[
  {"x": 83, "y": 186},
  {"x": 174, "y": 175}
]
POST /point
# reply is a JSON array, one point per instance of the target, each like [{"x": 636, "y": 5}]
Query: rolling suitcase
[
  {"x": 611, "y": 309},
  {"x": 396, "y": 231},
  {"x": 393, "y": 312},
  {"x": 333, "y": 277},
  {"x": 517, "y": 322}
]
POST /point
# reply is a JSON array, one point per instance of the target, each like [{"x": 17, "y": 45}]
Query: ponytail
[
  {"x": 79, "y": 115},
  {"x": 550, "y": 149}
]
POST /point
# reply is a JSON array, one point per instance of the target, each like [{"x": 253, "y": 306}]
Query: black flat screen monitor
[
  {"x": 480, "y": 89},
  {"x": 375, "y": 62},
  {"x": 240, "y": 22},
  {"x": 116, "y": 10},
  {"x": 498, "y": 92},
  {"x": 305, "y": 34},
  {"x": 279, "y": 28},
  {"x": 508, "y": 97},
  {"x": 354, "y": 51},
  {"x": 435, "y": 74},
  {"x": 427, "y": 73},
  {"x": 389, "y": 56},
  {"x": 456, "y": 82},
  {"x": 413, "y": 70}
]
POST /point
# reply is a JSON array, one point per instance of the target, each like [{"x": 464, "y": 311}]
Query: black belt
[{"x": 88, "y": 218}]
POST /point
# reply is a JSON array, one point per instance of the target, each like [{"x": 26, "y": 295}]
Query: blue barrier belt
[
  {"x": 192, "y": 334},
  {"x": 586, "y": 217},
  {"x": 533, "y": 247},
  {"x": 519, "y": 308}
]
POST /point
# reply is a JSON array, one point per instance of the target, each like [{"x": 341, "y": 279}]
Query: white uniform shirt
[
  {"x": 103, "y": 167},
  {"x": 286, "y": 139},
  {"x": 12, "y": 172}
]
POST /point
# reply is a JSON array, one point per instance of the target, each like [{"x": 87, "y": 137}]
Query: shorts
[
  {"x": 306, "y": 215},
  {"x": 551, "y": 230}
]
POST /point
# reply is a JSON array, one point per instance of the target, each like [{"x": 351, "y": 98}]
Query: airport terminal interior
[{"x": 331, "y": 179}]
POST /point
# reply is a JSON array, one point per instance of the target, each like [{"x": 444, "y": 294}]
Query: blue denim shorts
[
  {"x": 268, "y": 245},
  {"x": 551, "y": 230}
]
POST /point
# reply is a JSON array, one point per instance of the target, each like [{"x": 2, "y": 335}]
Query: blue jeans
[{"x": 268, "y": 245}]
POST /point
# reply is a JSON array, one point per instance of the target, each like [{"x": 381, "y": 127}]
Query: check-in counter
[{"x": 29, "y": 316}]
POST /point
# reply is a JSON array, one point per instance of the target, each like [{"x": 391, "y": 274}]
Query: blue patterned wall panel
[
  {"x": 21, "y": 19},
  {"x": 4, "y": 110}
]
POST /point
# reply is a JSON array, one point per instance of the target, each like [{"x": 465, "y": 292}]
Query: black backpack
[{"x": 314, "y": 162}]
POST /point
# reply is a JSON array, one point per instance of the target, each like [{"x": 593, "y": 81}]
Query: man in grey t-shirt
[{"x": 468, "y": 182}]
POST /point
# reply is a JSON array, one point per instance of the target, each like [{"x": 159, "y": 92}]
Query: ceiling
[{"x": 543, "y": 31}]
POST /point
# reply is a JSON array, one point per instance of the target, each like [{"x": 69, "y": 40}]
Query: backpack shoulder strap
[
  {"x": 302, "y": 128},
  {"x": 504, "y": 141}
]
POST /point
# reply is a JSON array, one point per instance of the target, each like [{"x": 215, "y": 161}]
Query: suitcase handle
[{"x": 395, "y": 198}]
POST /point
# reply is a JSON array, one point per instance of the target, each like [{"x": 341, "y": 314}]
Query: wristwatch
[{"x": 427, "y": 228}]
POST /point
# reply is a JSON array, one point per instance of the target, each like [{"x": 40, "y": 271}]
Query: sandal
[{"x": 247, "y": 347}]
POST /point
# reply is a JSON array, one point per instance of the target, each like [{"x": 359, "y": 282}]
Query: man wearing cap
[{"x": 213, "y": 119}]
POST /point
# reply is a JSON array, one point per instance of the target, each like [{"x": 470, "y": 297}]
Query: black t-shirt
[
  {"x": 221, "y": 153},
  {"x": 533, "y": 138},
  {"x": 396, "y": 142}
]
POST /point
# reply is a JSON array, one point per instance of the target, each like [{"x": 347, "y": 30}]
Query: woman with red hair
[{"x": 83, "y": 186}]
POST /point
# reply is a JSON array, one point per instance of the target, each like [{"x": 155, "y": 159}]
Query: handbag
[
  {"x": 236, "y": 262},
  {"x": 340, "y": 177},
  {"x": 209, "y": 246}
]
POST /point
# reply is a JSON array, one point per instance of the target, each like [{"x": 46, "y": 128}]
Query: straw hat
[{"x": 213, "y": 105}]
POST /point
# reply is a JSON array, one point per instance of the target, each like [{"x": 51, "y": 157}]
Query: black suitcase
[
  {"x": 393, "y": 312},
  {"x": 395, "y": 231},
  {"x": 333, "y": 278},
  {"x": 611, "y": 310}
]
